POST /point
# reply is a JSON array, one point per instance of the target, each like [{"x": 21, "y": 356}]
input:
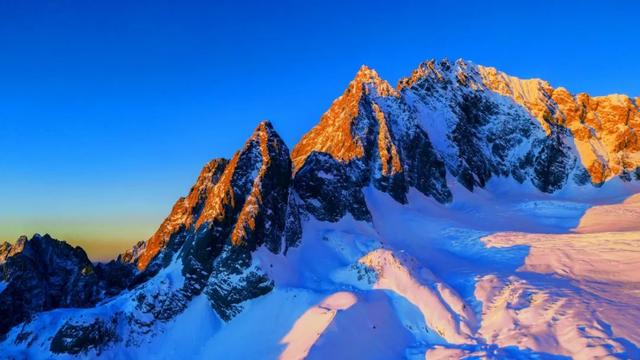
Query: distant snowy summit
[{"x": 447, "y": 126}]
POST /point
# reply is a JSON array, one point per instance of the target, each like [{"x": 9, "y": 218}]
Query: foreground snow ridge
[
  {"x": 313, "y": 323},
  {"x": 439, "y": 305}
]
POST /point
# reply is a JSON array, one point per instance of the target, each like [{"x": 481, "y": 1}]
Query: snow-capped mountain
[
  {"x": 235, "y": 207},
  {"x": 389, "y": 231}
]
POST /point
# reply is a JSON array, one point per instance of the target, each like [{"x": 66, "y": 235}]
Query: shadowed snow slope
[
  {"x": 312, "y": 324},
  {"x": 451, "y": 282}
]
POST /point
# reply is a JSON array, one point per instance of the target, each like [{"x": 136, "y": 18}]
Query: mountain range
[{"x": 458, "y": 214}]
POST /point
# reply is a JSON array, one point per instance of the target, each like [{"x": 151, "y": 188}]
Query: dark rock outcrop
[
  {"x": 330, "y": 189},
  {"x": 74, "y": 339},
  {"x": 44, "y": 273},
  {"x": 235, "y": 207},
  {"x": 369, "y": 136},
  {"x": 485, "y": 133}
]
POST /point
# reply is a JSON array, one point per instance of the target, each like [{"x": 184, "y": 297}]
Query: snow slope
[
  {"x": 617, "y": 217},
  {"x": 452, "y": 281}
]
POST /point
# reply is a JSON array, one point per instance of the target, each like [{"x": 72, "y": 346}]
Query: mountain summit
[
  {"x": 393, "y": 218},
  {"x": 229, "y": 200}
]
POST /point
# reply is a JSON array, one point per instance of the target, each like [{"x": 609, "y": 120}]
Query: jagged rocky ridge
[
  {"x": 43, "y": 273},
  {"x": 446, "y": 122},
  {"x": 369, "y": 135},
  {"x": 235, "y": 207}
]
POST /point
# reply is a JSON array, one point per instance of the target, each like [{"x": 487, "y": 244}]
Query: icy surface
[{"x": 505, "y": 272}]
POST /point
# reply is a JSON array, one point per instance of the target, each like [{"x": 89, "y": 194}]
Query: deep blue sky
[{"x": 108, "y": 109}]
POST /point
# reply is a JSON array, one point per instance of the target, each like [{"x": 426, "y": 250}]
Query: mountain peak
[
  {"x": 371, "y": 80},
  {"x": 264, "y": 126},
  {"x": 8, "y": 249},
  {"x": 367, "y": 74},
  {"x": 184, "y": 212},
  {"x": 587, "y": 118},
  {"x": 44, "y": 273},
  {"x": 222, "y": 188},
  {"x": 436, "y": 70},
  {"x": 333, "y": 134}
]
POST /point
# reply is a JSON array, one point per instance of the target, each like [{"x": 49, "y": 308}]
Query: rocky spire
[
  {"x": 334, "y": 134},
  {"x": 368, "y": 135},
  {"x": 185, "y": 212},
  {"x": 235, "y": 193},
  {"x": 235, "y": 206}
]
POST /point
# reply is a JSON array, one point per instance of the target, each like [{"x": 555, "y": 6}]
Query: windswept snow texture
[{"x": 503, "y": 272}]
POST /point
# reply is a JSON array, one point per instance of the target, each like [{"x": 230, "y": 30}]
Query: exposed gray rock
[{"x": 74, "y": 339}]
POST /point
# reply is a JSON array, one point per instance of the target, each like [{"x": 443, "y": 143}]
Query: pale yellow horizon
[{"x": 101, "y": 240}]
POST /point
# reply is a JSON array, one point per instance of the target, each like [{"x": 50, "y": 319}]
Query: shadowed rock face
[
  {"x": 43, "y": 273},
  {"x": 74, "y": 339},
  {"x": 369, "y": 136},
  {"x": 484, "y": 130},
  {"x": 235, "y": 207},
  {"x": 185, "y": 212},
  {"x": 330, "y": 189},
  {"x": 604, "y": 128}
]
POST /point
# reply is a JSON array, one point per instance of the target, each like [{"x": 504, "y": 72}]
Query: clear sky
[{"x": 108, "y": 109}]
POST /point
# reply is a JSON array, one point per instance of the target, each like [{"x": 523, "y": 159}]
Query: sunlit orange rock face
[
  {"x": 7, "y": 250},
  {"x": 377, "y": 123},
  {"x": 533, "y": 94},
  {"x": 184, "y": 211},
  {"x": 604, "y": 128},
  {"x": 229, "y": 194},
  {"x": 333, "y": 134},
  {"x": 389, "y": 157},
  {"x": 247, "y": 218},
  {"x": 369, "y": 135}
]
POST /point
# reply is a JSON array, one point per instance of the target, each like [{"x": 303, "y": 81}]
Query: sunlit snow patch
[{"x": 313, "y": 323}]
